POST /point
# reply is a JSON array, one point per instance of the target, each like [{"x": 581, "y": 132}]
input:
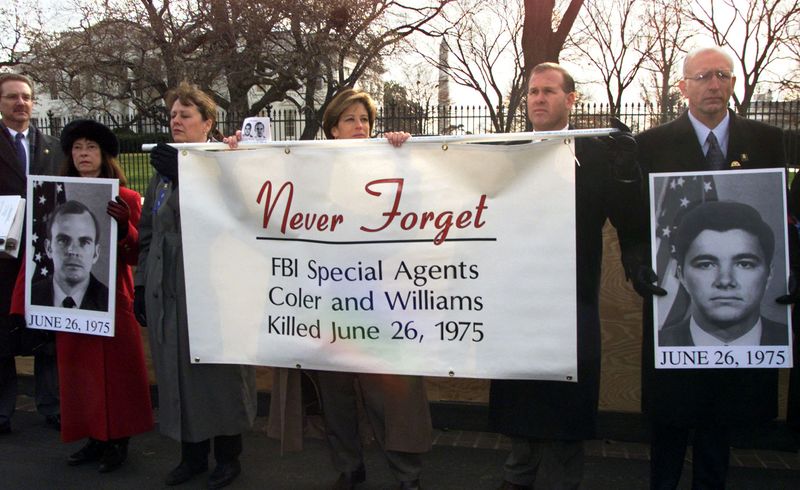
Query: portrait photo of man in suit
[
  {"x": 724, "y": 253},
  {"x": 260, "y": 130},
  {"x": 72, "y": 244}
]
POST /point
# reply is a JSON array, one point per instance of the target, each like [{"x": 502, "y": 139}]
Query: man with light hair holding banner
[
  {"x": 549, "y": 420},
  {"x": 703, "y": 403}
]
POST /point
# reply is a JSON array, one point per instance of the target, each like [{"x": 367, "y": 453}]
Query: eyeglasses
[
  {"x": 14, "y": 97},
  {"x": 706, "y": 76}
]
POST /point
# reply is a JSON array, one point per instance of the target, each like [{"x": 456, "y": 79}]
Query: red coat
[{"x": 103, "y": 380}]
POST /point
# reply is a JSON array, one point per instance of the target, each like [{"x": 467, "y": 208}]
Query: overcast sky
[{"x": 59, "y": 17}]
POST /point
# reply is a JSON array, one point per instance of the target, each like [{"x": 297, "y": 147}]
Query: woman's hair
[
  {"x": 343, "y": 100},
  {"x": 109, "y": 168},
  {"x": 189, "y": 94}
]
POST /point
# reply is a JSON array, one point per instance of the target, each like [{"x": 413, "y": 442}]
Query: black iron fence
[{"x": 451, "y": 120}]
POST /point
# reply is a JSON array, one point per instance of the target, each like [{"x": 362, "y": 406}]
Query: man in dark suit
[
  {"x": 703, "y": 403},
  {"x": 724, "y": 252},
  {"x": 32, "y": 153},
  {"x": 73, "y": 244},
  {"x": 548, "y": 421}
]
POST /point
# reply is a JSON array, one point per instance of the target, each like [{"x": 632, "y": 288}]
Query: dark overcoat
[
  {"x": 196, "y": 401},
  {"x": 564, "y": 410},
  {"x": 690, "y": 397}
]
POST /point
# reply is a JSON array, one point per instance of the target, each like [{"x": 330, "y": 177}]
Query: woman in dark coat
[{"x": 197, "y": 402}]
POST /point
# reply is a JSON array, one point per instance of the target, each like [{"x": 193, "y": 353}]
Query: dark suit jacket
[
  {"x": 95, "y": 299},
  {"x": 690, "y": 397},
  {"x": 678, "y": 334},
  {"x": 566, "y": 410},
  {"x": 46, "y": 155}
]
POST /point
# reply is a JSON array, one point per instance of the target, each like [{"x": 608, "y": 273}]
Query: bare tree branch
[
  {"x": 479, "y": 52},
  {"x": 665, "y": 23},
  {"x": 610, "y": 37},
  {"x": 756, "y": 33}
]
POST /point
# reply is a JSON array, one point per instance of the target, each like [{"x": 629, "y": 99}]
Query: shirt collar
[
  {"x": 701, "y": 337},
  {"x": 565, "y": 128},
  {"x": 721, "y": 132},
  {"x": 77, "y": 294},
  {"x": 13, "y": 133}
]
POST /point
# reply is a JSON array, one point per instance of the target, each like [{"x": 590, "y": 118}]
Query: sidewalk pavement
[{"x": 32, "y": 457}]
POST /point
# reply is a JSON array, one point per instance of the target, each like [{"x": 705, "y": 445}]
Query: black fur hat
[{"x": 91, "y": 130}]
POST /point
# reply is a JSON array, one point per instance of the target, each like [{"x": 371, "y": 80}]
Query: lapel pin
[
  {"x": 735, "y": 164},
  {"x": 744, "y": 157}
]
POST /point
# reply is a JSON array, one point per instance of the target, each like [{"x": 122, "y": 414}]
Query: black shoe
[
  {"x": 183, "y": 473},
  {"x": 410, "y": 485},
  {"x": 224, "y": 474},
  {"x": 92, "y": 451},
  {"x": 5, "y": 428},
  {"x": 53, "y": 421},
  {"x": 114, "y": 455},
  {"x": 348, "y": 481}
]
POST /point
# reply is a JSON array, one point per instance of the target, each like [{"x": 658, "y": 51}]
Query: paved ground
[{"x": 32, "y": 457}]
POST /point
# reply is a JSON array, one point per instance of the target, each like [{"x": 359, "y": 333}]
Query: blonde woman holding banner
[{"x": 397, "y": 406}]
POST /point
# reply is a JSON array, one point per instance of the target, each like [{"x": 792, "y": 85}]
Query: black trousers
[
  {"x": 8, "y": 389},
  {"x": 710, "y": 456},
  {"x": 226, "y": 450}
]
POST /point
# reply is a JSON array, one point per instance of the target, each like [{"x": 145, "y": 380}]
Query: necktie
[
  {"x": 21, "y": 155},
  {"x": 68, "y": 302},
  {"x": 714, "y": 158}
]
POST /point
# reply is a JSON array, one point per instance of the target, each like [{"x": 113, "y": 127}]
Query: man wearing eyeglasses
[
  {"x": 703, "y": 404},
  {"x": 24, "y": 150}
]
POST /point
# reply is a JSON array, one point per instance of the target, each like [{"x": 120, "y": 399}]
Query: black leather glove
[
  {"x": 635, "y": 261},
  {"x": 164, "y": 158},
  {"x": 794, "y": 289},
  {"x": 623, "y": 148},
  {"x": 119, "y": 210},
  {"x": 139, "y": 310}
]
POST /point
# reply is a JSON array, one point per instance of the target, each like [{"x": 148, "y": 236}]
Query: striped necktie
[
  {"x": 22, "y": 156},
  {"x": 714, "y": 158}
]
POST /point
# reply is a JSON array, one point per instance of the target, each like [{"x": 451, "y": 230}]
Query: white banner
[{"x": 353, "y": 255}]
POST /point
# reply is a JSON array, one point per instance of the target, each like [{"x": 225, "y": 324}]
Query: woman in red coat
[{"x": 104, "y": 390}]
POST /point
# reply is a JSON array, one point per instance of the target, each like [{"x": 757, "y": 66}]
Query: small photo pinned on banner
[{"x": 256, "y": 130}]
